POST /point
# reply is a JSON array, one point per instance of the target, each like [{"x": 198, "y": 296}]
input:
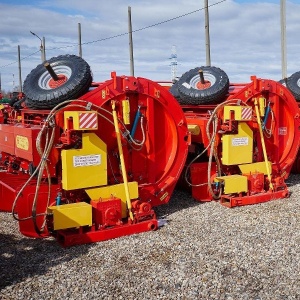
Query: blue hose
[
  {"x": 135, "y": 123},
  {"x": 266, "y": 115},
  {"x": 58, "y": 199}
]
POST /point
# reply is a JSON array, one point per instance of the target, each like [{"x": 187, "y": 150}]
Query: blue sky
[{"x": 245, "y": 36}]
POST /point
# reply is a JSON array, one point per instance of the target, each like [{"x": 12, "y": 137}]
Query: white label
[
  {"x": 282, "y": 130},
  {"x": 185, "y": 84},
  {"x": 87, "y": 160},
  {"x": 241, "y": 141}
]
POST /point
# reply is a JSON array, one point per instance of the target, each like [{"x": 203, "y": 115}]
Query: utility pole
[
  {"x": 79, "y": 40},
  {"x": 130, "y": 42},
  {"x": 20, "y": 73},
  {"x": 207, "y": 37},
  {"x": 283, "y": 39},
  {"x": 42, "y": 46},
  {"x": 44, "y": 49}
]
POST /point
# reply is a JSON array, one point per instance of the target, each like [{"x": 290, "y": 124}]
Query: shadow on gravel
[
  {"x": 181, "y": 199},
  {"x": 22, "y": 258},
  {"x": 293, "y": 179}
]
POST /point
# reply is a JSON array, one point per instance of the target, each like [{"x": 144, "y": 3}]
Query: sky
[{"x": 245, "y": 36}]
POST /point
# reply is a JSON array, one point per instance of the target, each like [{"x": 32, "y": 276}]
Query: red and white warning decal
[
  {"x": 88, "y": 120},
  {"x": 246, "y": 113}
]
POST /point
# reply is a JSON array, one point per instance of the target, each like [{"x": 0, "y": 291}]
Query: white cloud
[{"x": 245, "y": 37}]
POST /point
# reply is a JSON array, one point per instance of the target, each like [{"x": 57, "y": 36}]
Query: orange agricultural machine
[{"x": 86, "y": 162}]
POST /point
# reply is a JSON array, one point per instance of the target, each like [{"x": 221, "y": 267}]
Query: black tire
[
  {"x": 77, "y": 76},
  {"x": 174, "y": 90},
  {"x": 293, "y": 84},
  {"x": 283, "y": 82},
  {"x": 217, "y": 85},
  {"x": 18, "y": 104},
  {"x": 13, "y": 98},
  {"x": 13, "y": 101}
]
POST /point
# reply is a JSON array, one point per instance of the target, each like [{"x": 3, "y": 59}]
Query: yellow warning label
[
  {"x": 164, "y": 196},
  {"x": 22, "y": 142}
]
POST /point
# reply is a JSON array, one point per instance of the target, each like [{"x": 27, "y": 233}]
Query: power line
[
  {"x": 156, "y": 24},
  {"x": 25, "y": 57},
  {"x": 121, "y": 34},
  {"x": 178, "y": 17}
]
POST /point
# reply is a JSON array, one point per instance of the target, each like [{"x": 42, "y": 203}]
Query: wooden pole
[
  {"x": 20, "y": 73},
  {"x": 283, "y": 39},
  {"x": 43, "y": 50},
  {"x": 207, "y": 37},
  {"x": 130, "y": 42},
  {"x": 79, "y": 40}
]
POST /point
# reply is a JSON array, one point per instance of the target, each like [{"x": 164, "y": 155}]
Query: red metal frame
[
  {"x": 156, "y": 167},
  {"x": 79, "y": 236},
  {"x": 282, "y": 148},
  {"x": 233, "y": 201}
]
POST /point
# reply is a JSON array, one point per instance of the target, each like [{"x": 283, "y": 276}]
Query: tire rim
[
  {"x": 46, "y": 82},
  {"x": 53, "y": 84},
  {"x": 208, "y": 81}
]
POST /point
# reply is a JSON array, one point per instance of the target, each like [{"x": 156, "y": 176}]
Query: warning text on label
[
  {"x": 240, "y": 141},
  {"x": 87, "y": 160}
]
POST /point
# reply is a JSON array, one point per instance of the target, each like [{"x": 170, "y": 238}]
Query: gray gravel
[{"x": 205, "y": 251}]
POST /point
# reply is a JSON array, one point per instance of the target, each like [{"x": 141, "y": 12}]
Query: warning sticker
[
  {"x": 21, "y": 142},
  {"x": 87, "y": 160},
  {"x": 240, "y": 141}
]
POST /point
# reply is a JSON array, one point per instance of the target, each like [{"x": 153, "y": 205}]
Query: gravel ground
[{"x": 205, "y": 251}]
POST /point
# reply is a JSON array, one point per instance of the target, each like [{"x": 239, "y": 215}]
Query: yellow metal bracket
[
  {"x": 194, "y": 129},
  {"x": 126, "y": 111}
]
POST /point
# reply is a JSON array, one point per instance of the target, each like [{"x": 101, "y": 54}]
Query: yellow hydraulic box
[
  {"x": 86, "y": 167},
  {"x": 82, "y": 120},
  {"x": 255, "y": 167},
  {"x": 241, "y": 113},
  {"x": 71, "y": 215},
  {"x": 238, "y": 148},
  {"x": 233, "y": 183},
  {"x": 117, "y": 191}
]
